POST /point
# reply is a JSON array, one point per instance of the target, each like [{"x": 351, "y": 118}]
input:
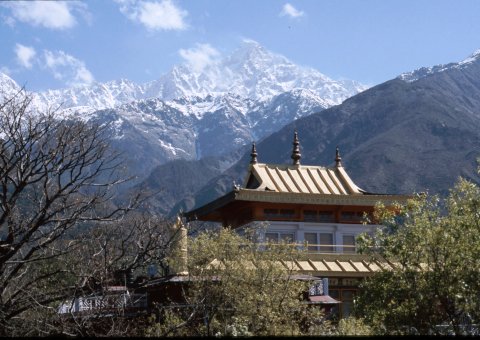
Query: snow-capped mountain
[
  {"x": 153, "y": 131},
  {"x": 250, "y": 72},
  {"x": 190, "y": 113},
  {"x": 427, "y": 71}
]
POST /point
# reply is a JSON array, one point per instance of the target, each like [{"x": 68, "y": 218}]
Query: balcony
[{"x": 107, "y": 303}]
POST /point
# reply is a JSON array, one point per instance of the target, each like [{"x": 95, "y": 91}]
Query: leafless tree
[{"x": 57, "y": 180}]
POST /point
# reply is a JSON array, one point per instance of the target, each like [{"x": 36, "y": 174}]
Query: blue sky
[{"x": 53, "y": 44}]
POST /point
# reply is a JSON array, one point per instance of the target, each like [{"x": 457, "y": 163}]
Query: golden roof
[
  {"x": 297, "y": 184},
  {"x": 331, "y": 265},
  {"x": 304, "y": 179},
  {"x": 340, "y": 265}
]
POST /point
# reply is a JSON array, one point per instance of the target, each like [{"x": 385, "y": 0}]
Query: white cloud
[
  {"x": 291, "y": 11},
  {"x": 67, "y": 68},
  {"x": 49, "y": 14},
  {"x": 200, "y": 56},
  {"x": 25, "y": 55},
  {"x": 154, "y": 15}
]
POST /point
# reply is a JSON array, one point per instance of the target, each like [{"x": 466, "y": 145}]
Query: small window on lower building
[{"x": 316, "y": 289}]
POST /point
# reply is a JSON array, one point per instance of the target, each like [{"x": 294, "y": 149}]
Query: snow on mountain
[
  {"x": 249, "y": 72},
  {"x": 8, "y": 86},
  {"x": 97, "y": 96},
  {"x": 190, "y": 113},
  {"x": 426, "y": 71}
]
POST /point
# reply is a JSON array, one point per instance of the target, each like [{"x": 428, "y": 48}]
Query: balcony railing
[
  {"x": 109, "y": 302},
  {"x": 315, "y": 248}
]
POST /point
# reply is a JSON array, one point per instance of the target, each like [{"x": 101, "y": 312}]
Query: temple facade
[{"x": 318, "y": 208}]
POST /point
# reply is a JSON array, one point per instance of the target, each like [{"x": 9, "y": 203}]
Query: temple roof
[
  {"x": 304, "y": 179},
  {"x": 297, "y": 184}
]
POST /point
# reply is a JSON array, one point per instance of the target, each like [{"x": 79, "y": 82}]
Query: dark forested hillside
[{"x": 180, "y": 179}]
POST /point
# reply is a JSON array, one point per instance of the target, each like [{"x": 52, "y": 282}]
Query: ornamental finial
[
  {"x": 338, "y": 159},
  {"x": 254, "y": 154},
  {"x": 296, "y": 155}
]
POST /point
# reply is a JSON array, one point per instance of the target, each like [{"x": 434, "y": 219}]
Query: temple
[
  {"x": 316, "y": 207},
  {"x": 301, "y": 203}
]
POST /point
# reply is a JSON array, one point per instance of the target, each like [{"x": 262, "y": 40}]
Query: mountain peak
[
  {"x": 427, "y": 71},
  {"x": 251, "y": 72},
  {"x": 252, "y": 53},
  {"x": 8, "y": 86},
  {"x": 472, "y": 58}
]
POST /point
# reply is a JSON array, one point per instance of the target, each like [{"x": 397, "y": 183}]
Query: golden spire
[
  {"x": 338, "y": 159},
  {"x": 254, "y": 154},
  {"x": 296, "y": 155}
]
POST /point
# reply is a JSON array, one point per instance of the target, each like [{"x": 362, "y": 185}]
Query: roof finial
[
  {"x": 338, "y": 159},
  {"x": 254, "y": 154},
  {"x": 296, "y": 155}
]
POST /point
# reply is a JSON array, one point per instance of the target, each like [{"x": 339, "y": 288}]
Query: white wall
[{"x": 300, "y": 228}]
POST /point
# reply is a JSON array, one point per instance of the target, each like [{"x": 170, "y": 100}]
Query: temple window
[
  {"x": 352, "y": 216},
  {"x": 309, "y": 215},
  {"x": 326, "y": 216},
  {"x": 278, "y": 237},
  {"x": 279, "y": 213},
  {"x": 348, "y": 243},
  {"x": 311, "y": 240},
  {"x": 322, "y": 242},
  {"x": 318, "y": 216}
]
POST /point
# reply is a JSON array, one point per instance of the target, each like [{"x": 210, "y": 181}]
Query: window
[
  {"x": 311, "y": 240},
  {"x": 279, "y": 214},
  {"x": 269, "y": 213},
  {"x": 346, "y": 296},
  {"x": 319, "y": 241},
  {"x": 309, "y": 215},
  {"x": 326, "y": 216},
  {"x": 287, "y": 213},
  {"x": 318, "y": 216},
  {"x": 316, "y": 289},
  {"x": 277, "y": 237},
  {"x": 352, "y": 216},
  {"x": 348, "y": 243},
  {"x": 326, "y": 242}
]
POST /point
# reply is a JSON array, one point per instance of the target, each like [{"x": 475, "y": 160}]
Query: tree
[
  {"x": 240, "y": 288},
  {"x": 56, "y": 184},
  {"x": 435, "y": 287},
  {"x": 114, "y": 254}
]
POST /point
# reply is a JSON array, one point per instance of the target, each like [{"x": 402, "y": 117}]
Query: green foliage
[
  {"x": 434, "y": 245},
  {"x": 239, "y": 288},
  {"x": 352, "y": 326}
]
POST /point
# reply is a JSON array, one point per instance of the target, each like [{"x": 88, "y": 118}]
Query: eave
[{"x": 210, "y": 210}]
